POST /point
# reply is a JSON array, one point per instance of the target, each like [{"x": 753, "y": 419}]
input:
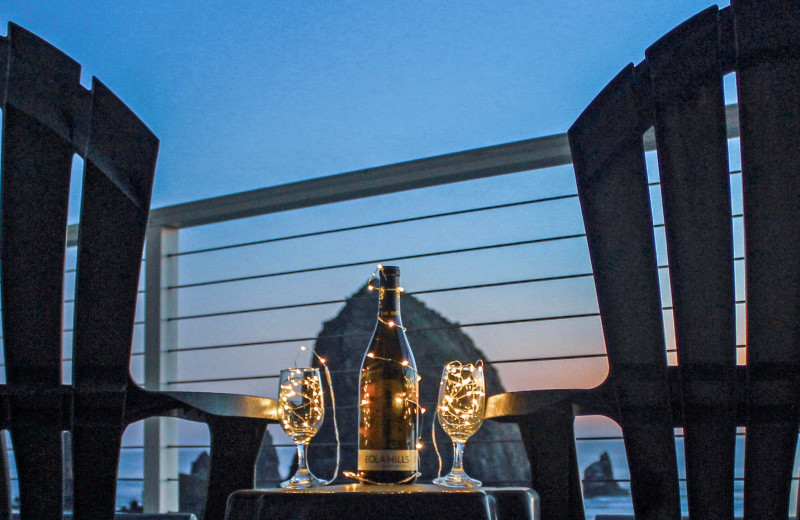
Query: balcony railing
[{"x": 492, "y": 238}]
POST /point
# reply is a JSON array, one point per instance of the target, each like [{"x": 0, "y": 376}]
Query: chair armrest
[
  {"x": 514, "y": 406},
  {"x": 228, "y": 405}
]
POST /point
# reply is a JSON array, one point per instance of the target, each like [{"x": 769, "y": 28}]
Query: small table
[{"x": 363, "y": 501}]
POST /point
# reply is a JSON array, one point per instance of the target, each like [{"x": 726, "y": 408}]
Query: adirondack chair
[
  {"x": 47, "y": 117},
  {"x": 678, "y": 90}
]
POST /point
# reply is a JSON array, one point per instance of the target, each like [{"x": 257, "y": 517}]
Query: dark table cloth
[{"x": 402, "y": 502}]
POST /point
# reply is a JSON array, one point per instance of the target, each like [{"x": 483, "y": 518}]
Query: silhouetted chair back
[
  {"x": 47, "y": 118},
  {"x": 678, "y": 90}
]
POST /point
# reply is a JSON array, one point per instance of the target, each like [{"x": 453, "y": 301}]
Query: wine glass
[
  {"x": 462, "y": 403},
  {"x": 301, "y": 409}
]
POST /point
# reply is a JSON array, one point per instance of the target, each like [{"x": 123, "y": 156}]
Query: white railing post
[{"x": 160, "y": 493}]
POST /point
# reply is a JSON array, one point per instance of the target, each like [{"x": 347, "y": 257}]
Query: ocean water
[{"x": 624, "y": 506}]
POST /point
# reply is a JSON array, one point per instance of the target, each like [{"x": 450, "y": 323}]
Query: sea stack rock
[
  {"x": 495, "y": 454},
  {"x": 598, "y": 479}
]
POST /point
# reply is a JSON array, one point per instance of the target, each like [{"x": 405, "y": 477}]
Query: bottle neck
[{"x": 389, "y": 304}]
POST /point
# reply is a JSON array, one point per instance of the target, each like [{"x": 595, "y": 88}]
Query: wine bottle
[{"x": 388, "y": 418}]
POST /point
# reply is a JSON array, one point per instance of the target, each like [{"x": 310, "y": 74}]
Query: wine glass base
[
  {"x": 457, "y": 480},
  {"x": 306, "y": 481}
]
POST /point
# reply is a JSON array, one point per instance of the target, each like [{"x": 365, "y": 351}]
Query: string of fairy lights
[
  {"x": 462, "y": 402},
  {"x": 316, "y": 404},
  {"x": 382, "y": 291},
  {"x": 371, "y": 286},
  {"x": 466, "y": 386}
]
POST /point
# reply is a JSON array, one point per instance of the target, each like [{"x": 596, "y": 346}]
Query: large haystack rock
[{"x": 494, "y": 455}]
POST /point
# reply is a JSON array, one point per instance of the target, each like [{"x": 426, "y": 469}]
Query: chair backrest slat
[
  {"x": 34, "y": 190},
  {"x": 689, "y": 120},
  {"x": 36, "y": 165},
  {"x": 32, "y": 295},
  {"x": 118, "y": 179},
  {"x": 768, "y": 78},
  {"x": 612, "y": 184}
]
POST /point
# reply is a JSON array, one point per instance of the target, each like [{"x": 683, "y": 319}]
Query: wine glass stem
[
  {"x": 301, "y": 458},
  {"x": 458, "y": 457}
]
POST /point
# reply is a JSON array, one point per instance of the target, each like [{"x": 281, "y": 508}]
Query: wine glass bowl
[
  {"x": 301, "y": 409},
  {"x": 460, "y": 410}
]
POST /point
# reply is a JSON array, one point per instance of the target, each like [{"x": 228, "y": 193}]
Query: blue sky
[{"x": 249, "y": 94}]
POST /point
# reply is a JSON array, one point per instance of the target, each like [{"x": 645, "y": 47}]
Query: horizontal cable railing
[
  {"x": 376, "y": 224},
  {"x": 288, "y": 306},
  {"x": 492, "y": 362},
  {"x": 413, "y": 293},
  {"x": 378, "y": 260},
  {"x": 409, "y": 331},
  {"x": 388, "y": 259},
  {"x": 389, "y": 222}
]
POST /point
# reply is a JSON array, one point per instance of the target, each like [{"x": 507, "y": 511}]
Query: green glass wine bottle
[{"x": 388, "y": 395}]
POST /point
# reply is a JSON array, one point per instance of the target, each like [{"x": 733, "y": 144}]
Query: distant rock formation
[
  {"x": 495, "y": 454},
  {"x": 598, "y": 479},
  {"x": 192, "y": 485},
  {"x": 133, "y": 507}
]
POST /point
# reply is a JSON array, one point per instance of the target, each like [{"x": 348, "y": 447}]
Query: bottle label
[{"x": 387, "y": 460}]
